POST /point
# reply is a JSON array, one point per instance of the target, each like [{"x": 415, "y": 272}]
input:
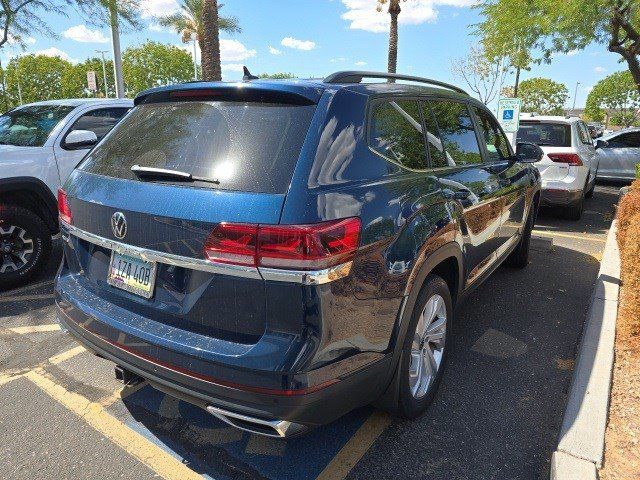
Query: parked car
[
  {"x": 40, "y": 144},
  {"x": 282, "y": 252},
  {"x": 596, "y": 130},
  {"x": 619, "y": 153},
  {"x": 570, "y": 163}
]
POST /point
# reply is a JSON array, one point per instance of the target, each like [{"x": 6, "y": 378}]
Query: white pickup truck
[{"x": 40, "y": 144}]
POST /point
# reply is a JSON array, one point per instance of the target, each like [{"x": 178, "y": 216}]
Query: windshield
[
  {"x": 245, "y": 146},
  {"x": 545, "y": 134},
  {"x": 31, "y": 126}
]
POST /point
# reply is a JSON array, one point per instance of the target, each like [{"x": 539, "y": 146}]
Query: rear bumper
[
  {"x": 289, "y": 413},
  {"x": 560, "y": 197}
]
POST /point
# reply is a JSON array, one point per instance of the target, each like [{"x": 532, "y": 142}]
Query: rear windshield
[
  {"x": 251, "y": 147},
  {"x": 545, "y": 134},
  {"x": 31, "y": 126}
]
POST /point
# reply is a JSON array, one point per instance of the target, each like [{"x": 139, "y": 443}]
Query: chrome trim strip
[
  {"x": 315, "y": 277},
  {"x": 281, "y": 428},
  {"x": 168, "y": 258}
]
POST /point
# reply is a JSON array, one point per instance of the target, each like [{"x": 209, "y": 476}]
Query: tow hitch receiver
[{"x": 128, "y": 378}]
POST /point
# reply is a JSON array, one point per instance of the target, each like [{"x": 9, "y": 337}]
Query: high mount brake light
[
  {"x": 63, "y": 207},
  {"x": 568, "y": 158},
  {"x": 294, "y": 247}
]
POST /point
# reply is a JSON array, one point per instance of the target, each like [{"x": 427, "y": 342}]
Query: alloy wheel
[
  {"x": 427, "y": 348},
  {"x": 16, "y": 248}
]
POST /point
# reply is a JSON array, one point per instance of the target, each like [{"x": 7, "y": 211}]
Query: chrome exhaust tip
[{"x": 269, "y": 428}]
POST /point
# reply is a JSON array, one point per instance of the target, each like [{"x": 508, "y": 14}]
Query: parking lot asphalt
[{"x": 496, "y": 415}]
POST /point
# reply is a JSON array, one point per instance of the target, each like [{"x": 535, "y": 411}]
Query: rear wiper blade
[{"x": 163, "y": 173}]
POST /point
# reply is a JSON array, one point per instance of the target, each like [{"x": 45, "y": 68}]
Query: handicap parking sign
[{"x": 509, "y": 114}]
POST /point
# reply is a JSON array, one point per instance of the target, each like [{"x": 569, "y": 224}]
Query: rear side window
[
  {"x": 99, "y": 121},
  {"x": 245, "y": 146},
  {"x": 583, "y": 133},
  {"x": 396, "y": 133},
  {"x": 457, "y": 132},
  {"x": 545, "y": 134},
  {"x": 495, "y": 140},
  {"x": 626, "y": 140}
]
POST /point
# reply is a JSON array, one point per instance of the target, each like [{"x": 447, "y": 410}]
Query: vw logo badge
[{"x": 119, "y": 225}]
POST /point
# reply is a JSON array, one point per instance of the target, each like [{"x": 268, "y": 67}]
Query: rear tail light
[
  {"x": 295, "y": 247},
  {"x": 63, "y": 207},
  {"x": 568, "y": 158}
]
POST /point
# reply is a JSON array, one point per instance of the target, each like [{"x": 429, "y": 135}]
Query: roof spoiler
[{"x": 355, "y": 76}]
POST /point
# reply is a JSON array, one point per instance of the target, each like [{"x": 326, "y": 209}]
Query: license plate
[{"x": 132, "y": 274}]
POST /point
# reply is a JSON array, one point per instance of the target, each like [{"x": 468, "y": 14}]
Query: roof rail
[{"x": 355, "y": 76}]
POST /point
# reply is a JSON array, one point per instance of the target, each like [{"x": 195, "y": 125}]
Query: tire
[
  {"x": 589, "y": 193},
  {"x": 574, "y": 212},
  {"x": 416, "y": 393},
  {"x": 25, "y": 245},
  {"x": 519, "y": 258}
]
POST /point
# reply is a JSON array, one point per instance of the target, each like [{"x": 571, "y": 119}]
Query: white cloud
[
  {"x": 13, "y": 41},
  {"x": 338, "y": 60},
  {"x": 234, "y": 51},
  {"x": 80, "y": 33},
  {"x": 599, "y": 69},
  {"x": 587, "y": 89},
  {"x": 56, "y": 52},
  {"x": 232, "y": 67},
  {"x": 274, "y": 51},
  {"x": 571, "y": 53},
  {"x": 156, "y": 27},
  {"x": 361, "y": 63},
  {"x": 158, "y": 8},
  {"x": 291, "y": 42},
  {"x": 363, "y": 14}
]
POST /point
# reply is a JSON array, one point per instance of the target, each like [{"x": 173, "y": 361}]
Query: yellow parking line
[
  {"x": 130, "y": 441},
  {"x": 356, "y": 447},
  {"x": 36, "y": 329},
  {"x": 120, "y": 394},
  {"x": 568, "y": 235},
  {"x": 61, "y": 357}
]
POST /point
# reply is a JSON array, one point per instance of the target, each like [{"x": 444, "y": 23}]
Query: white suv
[
  {"x": 40, "y": 144},
  {"x": 569, "y": 165}
]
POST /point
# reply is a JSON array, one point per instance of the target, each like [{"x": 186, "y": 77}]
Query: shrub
[
  {"x": 629, "y": 325},
  {"x": 629, "y": 207}
]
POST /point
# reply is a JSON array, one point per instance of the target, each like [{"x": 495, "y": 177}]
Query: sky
[{"x": 312, "y": 38}]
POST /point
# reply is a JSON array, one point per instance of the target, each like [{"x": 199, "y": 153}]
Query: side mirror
[
  {"x": 528, "y": 152},
  {"x": 78, "y": 139},
  {"x": 601, "y": 144}
]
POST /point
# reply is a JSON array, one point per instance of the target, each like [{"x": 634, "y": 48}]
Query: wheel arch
[
  {"x": 446, "y": 262},
  {"x": 33, "y": 194}
]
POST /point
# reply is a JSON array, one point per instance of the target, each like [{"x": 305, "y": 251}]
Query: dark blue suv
[{"x": 282, "y": 252}]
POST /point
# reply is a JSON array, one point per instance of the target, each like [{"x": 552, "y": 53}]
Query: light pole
[
  {"x": 104, "y": 72},
  {"x": 575, "y": 94},
  {"x": 195, "y": 61},
  {"x": 117, "y": 54}
]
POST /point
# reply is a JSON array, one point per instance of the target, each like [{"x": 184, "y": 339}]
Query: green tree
[
  {"x": 277, "y": 76},
  {"x": 394, "y": 11},
  {"x": 480, "y": 73},
  {"x": 154, "y": 64},
  {"x": 74, "y": 79},
  {"x": 616, "y": 93},
  {"x": 520, "y": 27},
  {"x": 543, "y": 96},
  {"x": 36, "y": 77}
]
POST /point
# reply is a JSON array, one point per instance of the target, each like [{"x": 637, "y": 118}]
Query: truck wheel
[
  {"x": 25, "y": 245},
  {"x": 425, "y": 348}
]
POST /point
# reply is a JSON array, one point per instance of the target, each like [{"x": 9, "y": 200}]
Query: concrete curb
[{"x": 581, "y": 443}]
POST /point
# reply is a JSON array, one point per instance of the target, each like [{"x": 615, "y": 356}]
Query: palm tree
[
  {"x": 393, "y": 10},
  {"x": 190, "y": 24}
]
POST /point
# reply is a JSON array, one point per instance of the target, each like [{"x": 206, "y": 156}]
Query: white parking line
[{"x": 54, "y": 327}]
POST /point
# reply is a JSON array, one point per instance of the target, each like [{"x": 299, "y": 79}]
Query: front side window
[
  {"x": 496, "y": 142},
  {"x": 626, "y": 140},
  {"x": 457, "y": 132},
  {"x": 99, "y": 121},
  {"x": 31, "y": 126},
  {"x": 545, "y": 134},
  {"x": 396, "y": 133}
]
